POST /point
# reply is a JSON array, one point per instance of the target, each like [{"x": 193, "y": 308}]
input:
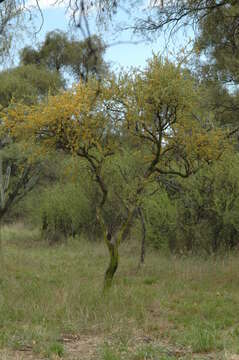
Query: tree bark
[
  {"x": 113, "y": 265},
  {"x": 143, "y": 238},
  {"x": 113, "y": 248}
]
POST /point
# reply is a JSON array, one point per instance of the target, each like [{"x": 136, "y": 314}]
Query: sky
[{"x": 117, "y": 55}]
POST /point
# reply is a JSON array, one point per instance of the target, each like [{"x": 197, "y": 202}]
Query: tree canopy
[
  {"x": 29, "y": 83},
  {"x": 59, "y": 53}
]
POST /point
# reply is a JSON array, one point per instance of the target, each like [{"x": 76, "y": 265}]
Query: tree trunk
[
  {"x": 113, "y": 246},
  {"x": 143, "y": 237},
  {"x": 2, "y": 212},
  {"x": 113, "y": 265},
  {"x": 216, "y": 235},
  {"x": 1, "y": 246}
]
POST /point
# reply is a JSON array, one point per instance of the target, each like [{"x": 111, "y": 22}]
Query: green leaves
[
  {"x": 29, "y": 84},
  {"x": 58, "y": 52}
]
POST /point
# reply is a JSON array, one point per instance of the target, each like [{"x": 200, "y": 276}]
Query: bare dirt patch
[
  {"x": 82, "y": 347},
  {"x": 87, "y": 347},
  {"x": 75, "y": 347},
  {"x": 232, "y": 357},
  {"x": 18, "y": 355}
]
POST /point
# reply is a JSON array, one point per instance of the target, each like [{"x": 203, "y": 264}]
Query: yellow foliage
[
  {"x": 73, "y": 120},
  {"x": 155, "y": 108}
]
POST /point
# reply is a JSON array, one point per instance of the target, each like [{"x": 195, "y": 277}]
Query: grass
[{"x": 173, "y": 307}]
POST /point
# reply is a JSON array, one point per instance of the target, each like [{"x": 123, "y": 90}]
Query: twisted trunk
[
  {"x": 113, "y": 265},
  {"x": 113, "y": 244}
]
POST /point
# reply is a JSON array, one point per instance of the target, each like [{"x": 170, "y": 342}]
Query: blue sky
[{"x": 121, "y": 55}]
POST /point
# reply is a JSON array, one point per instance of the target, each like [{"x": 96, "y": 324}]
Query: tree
[
  {"x": 52, "y": 53},
  {"x": 18, "y": 176},
  {"x": 171, "y": 15},
  {"x": 155, "y": 109},
  {"x": 80, "y": 59},
  {"x": 207, "y": 205},
  {"x": 217, "y": 47},
  {"x": 28, "y": 83},
  {"x": 218, "y": 39},
  {"x": 8, "y": 13}
]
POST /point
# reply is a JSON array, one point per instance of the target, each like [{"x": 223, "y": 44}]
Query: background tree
[
  {"x": 171, "y": 15},
  {"x": 59, "y": 53},
  {"x": 217, "y": 46},
  {"x": 206, "y": 208},
  {"x": 28, "y": 83},
  {"x": 9, "y": 13},
  {"x": 18, "y": 176}
]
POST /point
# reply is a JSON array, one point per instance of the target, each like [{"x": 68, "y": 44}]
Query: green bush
[
  {"x": 207, "y": 208},
  {"x": 161, "y": 215},
  {"x": 65, "y": 211}
]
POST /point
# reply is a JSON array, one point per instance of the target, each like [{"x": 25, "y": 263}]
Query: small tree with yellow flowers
[{"x": 156, "y": 111}]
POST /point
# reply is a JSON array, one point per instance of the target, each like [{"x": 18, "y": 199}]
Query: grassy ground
[{"x": 52, "y": 306}]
